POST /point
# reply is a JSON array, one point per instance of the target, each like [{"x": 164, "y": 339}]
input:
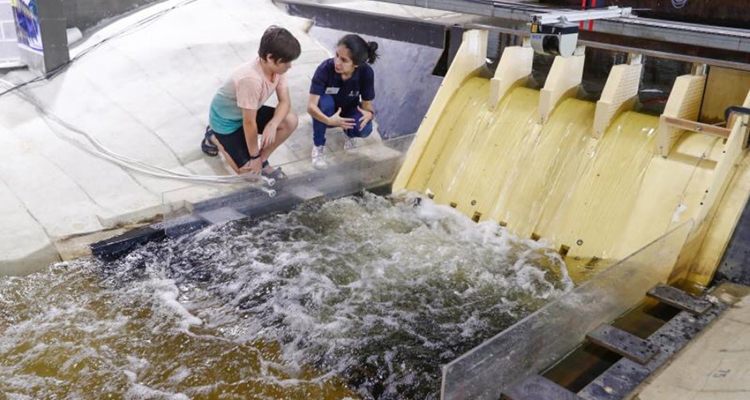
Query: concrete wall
[
  {"x": 8, "y": 46},
  {"x": 735, "y": 265},
  {"x": 84, "y": 14}
]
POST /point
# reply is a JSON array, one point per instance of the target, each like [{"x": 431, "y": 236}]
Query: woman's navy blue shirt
[{"x": 346, "y": 93}]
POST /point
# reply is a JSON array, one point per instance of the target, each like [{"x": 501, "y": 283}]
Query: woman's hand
[
  {"x": 337, "y": 120},
  {"x": 366, "y": 117}
]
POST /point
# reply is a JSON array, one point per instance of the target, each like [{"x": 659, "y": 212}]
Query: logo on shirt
[{"x": 354, "y": 93}]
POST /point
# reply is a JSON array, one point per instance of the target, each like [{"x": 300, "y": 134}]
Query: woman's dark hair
[
  {"x": 362, "y": 51},
  {"x": 279, "y": 44}
]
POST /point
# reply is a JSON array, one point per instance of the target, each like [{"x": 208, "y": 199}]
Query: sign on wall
[{"x": 27, "y": 24}]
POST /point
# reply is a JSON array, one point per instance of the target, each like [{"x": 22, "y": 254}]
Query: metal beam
[
  {"x": 623, "y": 343},
  {"x": 666, "y": 31},
  {"x": 628, "y": 49},
  {"x": 432, "y": 33},
  {"x": 679, "y": 299},
  {"x": 577, "y": 16}
]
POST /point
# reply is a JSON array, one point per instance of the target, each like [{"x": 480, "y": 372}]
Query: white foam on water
[
  {"x": 180, "y": 374},
  {"x": 132, "y": 377},
  {"x": 138, "y": 391},
  {"x": 15, "y": 396},
  {"x": 375, "y": 292},
  {"x": 168, "y": 292}
]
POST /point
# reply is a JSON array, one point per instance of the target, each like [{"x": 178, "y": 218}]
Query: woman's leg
[
  {"x": 328, "y": 107},
  {"x": 356, "y": 132}
]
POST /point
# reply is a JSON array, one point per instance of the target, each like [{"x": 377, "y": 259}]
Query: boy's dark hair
[
  {"x": 279, "y": 44},
  {"x": 361, "y": 51}
]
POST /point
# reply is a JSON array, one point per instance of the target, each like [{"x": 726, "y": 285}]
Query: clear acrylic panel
[
  {"x": 365, "y": 167},
  {"x": 547, "y": 335}
]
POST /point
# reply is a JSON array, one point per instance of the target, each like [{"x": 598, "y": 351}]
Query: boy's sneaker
[
  {"x": 351, "y": 143},
  {"x": 319, "y": 157}
]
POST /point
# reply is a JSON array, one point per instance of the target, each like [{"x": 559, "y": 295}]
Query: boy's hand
[
  {"x": 366, "y": 117},
  {"x": 337, "y": 120},
  {"x": 253, "y": 166},
  {"x": 269, "y": 134}
]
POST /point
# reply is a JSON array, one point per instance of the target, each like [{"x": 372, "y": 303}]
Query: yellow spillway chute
[{"x": 592, "y": 178}]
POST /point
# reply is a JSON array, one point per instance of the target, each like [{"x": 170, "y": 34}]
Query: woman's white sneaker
[
  {"x": 350, "y": 143},
  {"x": 319, "y": 157}
]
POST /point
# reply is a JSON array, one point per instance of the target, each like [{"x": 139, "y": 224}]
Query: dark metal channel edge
[
  {"x": 625, "y": 376},
  {"x": 384, "y": 26},
  {"x": 249, "y": 202}
]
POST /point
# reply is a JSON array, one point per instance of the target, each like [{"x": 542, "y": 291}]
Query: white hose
[
  {"x": 678, "y": 4},
  {"x": 137, "y": 165}
]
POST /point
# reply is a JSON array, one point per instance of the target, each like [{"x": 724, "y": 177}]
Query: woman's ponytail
[{"x": 372, "y": 52}]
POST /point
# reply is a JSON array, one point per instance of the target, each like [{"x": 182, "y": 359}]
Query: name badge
[{"x": 332, "y": 90}]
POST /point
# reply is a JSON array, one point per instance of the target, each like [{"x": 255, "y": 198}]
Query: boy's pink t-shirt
[
  {"x": 252, "y": 87},
  {"x": 247, "y": 88}
]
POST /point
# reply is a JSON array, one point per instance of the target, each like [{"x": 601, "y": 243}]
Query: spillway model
[{"x": 597, "y": 179}]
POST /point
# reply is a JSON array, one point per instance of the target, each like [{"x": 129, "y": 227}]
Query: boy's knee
[
  {"x": 327, "y": 105},
  {"x": 291, "y": 121}
]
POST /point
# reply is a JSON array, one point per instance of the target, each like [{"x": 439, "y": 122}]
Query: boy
[{"x": 237, "y": 115}]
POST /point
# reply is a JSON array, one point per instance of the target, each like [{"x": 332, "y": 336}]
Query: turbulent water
[{"x": 361, "y": 297}]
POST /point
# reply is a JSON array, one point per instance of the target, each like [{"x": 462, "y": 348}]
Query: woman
[{"x": 341, "y": 95}]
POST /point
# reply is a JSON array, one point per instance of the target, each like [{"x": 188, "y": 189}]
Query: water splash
[{"x": 361, "y": 296}]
